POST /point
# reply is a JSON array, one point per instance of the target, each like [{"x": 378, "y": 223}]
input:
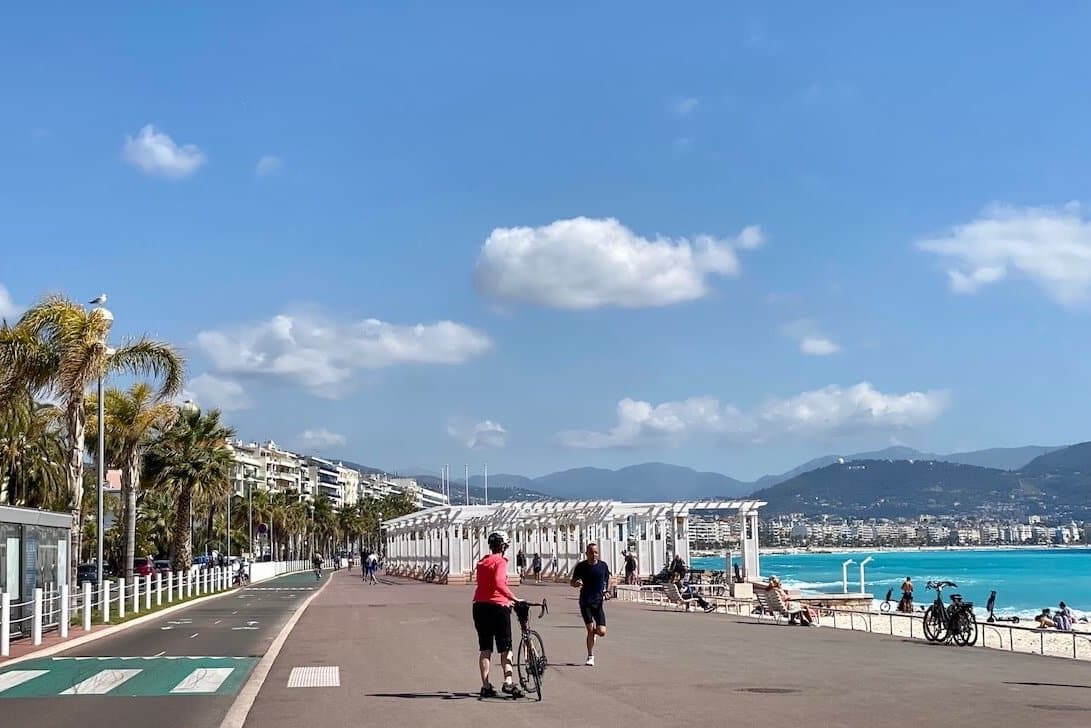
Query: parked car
[
  {"x": 89, "y": 572},
  {"x": 162, "y": 566},
  {"x": 141, "y": 567},
  {"x": 202, "y": 562}
]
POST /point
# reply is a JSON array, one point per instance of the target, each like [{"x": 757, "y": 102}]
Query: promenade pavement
[
  {"x": 404, "y": 654},
  {"x": 181, "y": 670}
]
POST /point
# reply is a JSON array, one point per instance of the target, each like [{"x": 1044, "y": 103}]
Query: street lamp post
[
  {"x": 190, "y": 407},
  {"x": 101, "y": 474}
]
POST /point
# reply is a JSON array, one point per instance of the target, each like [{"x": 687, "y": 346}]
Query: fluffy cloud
[
  {"x": 208, "y": 390},
  {"x": 811, "y": 340},
  {"x": 156, "y": 153},
  {"x": 1051, "y": 246},
  {"x": 269, "y": 165},
  {"x": 586, "y": 263},
  {"x": 483, "y": 435},
  {"x": 822, "y": 413},
  {"x": 8, "y": 307},
  {"x": 320, "y": 438},
  {"x": 323, "y": 355}
]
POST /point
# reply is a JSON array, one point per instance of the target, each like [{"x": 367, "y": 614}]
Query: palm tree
[
  {"x": 32, "y": 454},
  {"x": 132, "y": 418},
  {"x": 58, "y": 347},
  {"x": 192, "y": 460}
]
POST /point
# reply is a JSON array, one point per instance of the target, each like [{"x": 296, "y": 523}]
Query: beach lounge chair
[
  {"x": 675, "y": 598},
  {"x": 771, "y": 603}
]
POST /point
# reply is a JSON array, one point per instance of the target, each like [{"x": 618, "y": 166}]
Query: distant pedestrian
[
  {"x": 372, "y": 565},
  {"x": 630, "y": 568},
  {"x": 536, "y": 567},
  {"x": 678, "y": 566},
  {"x": 906, "y": 602},
  {"x": 521, "y": 562},
  {"x": 592, "y": 577},
  {"x": 553, "y": 564}
]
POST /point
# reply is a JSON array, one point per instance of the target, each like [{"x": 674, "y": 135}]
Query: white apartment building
[
  {"x": 265, "y": 467},
  {"x": 348, "y": 480}
]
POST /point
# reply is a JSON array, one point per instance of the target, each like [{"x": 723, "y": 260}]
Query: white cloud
[
  {"x": 208, "y": 390},
  {"x": 323, "y": 355},
  {"x": 483, "y": 435},
  {"x": 320, "y": 438},
  {"x": 8, "y": 308},
  {"x": 1050, "y": 246},
  {"x": 810, "y": 338},
  {"x": 269, "y": 165},
  {"x": 685, "y": 107},
  {"x": 156, "y": 153},
  {"x": 822, "y": 413},
  {"x": 585, "y": 263}
]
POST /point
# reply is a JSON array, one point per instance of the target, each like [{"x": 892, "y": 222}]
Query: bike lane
[{"x": 184, "y": 667}]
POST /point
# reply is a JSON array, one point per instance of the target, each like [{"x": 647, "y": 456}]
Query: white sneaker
[{"x": 590, "y": 661}]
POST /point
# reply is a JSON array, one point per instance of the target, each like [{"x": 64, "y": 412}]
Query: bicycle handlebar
[
  {"x": 940, "y": 584},
  {"x": 543, "y": 604}
]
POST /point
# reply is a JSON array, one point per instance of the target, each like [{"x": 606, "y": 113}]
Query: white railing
[
  {"x": 59, "y": 608},
  {"x": 991, "y": 635}
]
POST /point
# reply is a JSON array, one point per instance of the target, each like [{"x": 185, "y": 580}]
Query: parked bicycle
[
  {"x": 888, "y": 602},
  {"x": 432, "y": 573},
  {"x": 954, "y": 622},
  {"x": 530, "y": 656}
]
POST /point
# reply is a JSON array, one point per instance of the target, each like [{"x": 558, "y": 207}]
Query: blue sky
[{"x": 726, "y": 238}]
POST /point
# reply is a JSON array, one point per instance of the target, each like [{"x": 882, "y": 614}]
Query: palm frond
[{"x": 160, "y": 360}]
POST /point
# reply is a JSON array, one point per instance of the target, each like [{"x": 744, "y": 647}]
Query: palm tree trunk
[
  {"x": 76, "y": 421},
  {"x": 181, "y": 553},
  {"x": 129, "y": 478}
]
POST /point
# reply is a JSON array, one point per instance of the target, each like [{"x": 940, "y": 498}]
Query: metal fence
[{"x": 991, "y": 635}]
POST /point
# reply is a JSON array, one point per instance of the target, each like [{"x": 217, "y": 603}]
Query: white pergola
[{"x": 453, "y": 538}]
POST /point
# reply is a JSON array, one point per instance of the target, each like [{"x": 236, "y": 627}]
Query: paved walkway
[
  {"x": 404, "y": 653},
  {"x": 185, "y": 667}
]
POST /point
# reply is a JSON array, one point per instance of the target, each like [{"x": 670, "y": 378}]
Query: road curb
[
  {"x": 240, "y": 708},
  {"x": 115, "y": 629}
]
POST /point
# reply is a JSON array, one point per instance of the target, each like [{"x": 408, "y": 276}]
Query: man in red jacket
[{"x": 492, "y": 615}]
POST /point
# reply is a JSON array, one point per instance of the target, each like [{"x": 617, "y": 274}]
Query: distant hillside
[
  {"x": 890, "y": 489},
  {"x": 647, "y": 482},
  {"x": 1072, "y": 459}
]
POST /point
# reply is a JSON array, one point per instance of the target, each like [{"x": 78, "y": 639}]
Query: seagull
[{"x": 100, "y": 300}]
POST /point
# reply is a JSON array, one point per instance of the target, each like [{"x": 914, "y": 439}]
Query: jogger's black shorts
[
  {"x": 493, "y": 624},
  {"x": 593, "y": 612}
]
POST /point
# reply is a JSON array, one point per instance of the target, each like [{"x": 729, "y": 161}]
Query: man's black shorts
[
  {"x": 593, "y": 612},
  {"x": 493, "y": 624}
]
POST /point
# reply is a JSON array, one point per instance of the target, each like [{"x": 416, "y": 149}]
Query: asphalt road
[
  {"x": 405, "y": 655},
  {"x": 178, "y": 671}
]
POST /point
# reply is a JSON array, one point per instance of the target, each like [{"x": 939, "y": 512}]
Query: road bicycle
[
  {"x": 530, "y": 656},
  {"x": 954, "y": 622},
  {"x": 887, "y": 604}
]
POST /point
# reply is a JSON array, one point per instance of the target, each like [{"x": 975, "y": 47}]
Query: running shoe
[
  {"x": 488, "y": 691},
  {"x": 590, "y": 661},
  {"x": 511, "y": 689}
]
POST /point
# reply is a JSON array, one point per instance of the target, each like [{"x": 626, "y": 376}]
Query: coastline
[{"x": 786, "y": 550}]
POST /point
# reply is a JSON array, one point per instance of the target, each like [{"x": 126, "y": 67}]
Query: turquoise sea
[{"x": 1025, "y": 580}]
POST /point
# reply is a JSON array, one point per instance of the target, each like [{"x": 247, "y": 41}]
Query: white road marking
[
  {"x": 194, "y": 635},
  {"x": 217, "y": 621},
  {"x": 204, "y": 680},
  {"x": 235, "y": 612},
  {"x": 101, "y": 683},
  {"x": 315, "y": 677},
  {"x": 160, "y": 654},
  {"x": 18, "y": 677}
]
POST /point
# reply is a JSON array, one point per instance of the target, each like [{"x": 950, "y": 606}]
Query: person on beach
[
  {"x": 492, "y": 615},
  {"x": 536, "y": 567},
  {"x": 592, "y": 577},
  {"x": 1045, "y": 619},
  {"x": 1064, "y": 618},
  {"x": 804, "y": 615},
  {"x": 906, "y": 603}
]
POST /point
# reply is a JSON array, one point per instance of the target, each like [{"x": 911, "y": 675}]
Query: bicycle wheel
[
  {"x": 965, "y": 628},
  {"x": 884, "y": 607},
  {"x": 530, "y": 663},
  {"x": 935, "y": 624}
]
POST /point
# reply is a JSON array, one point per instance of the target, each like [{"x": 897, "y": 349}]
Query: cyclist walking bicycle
[
  {"x": 492, "y": 616},
  {"x": 316, "y": 562}
]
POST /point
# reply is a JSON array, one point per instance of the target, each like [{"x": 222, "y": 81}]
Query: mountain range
[{"x": 664, "y": 482}]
